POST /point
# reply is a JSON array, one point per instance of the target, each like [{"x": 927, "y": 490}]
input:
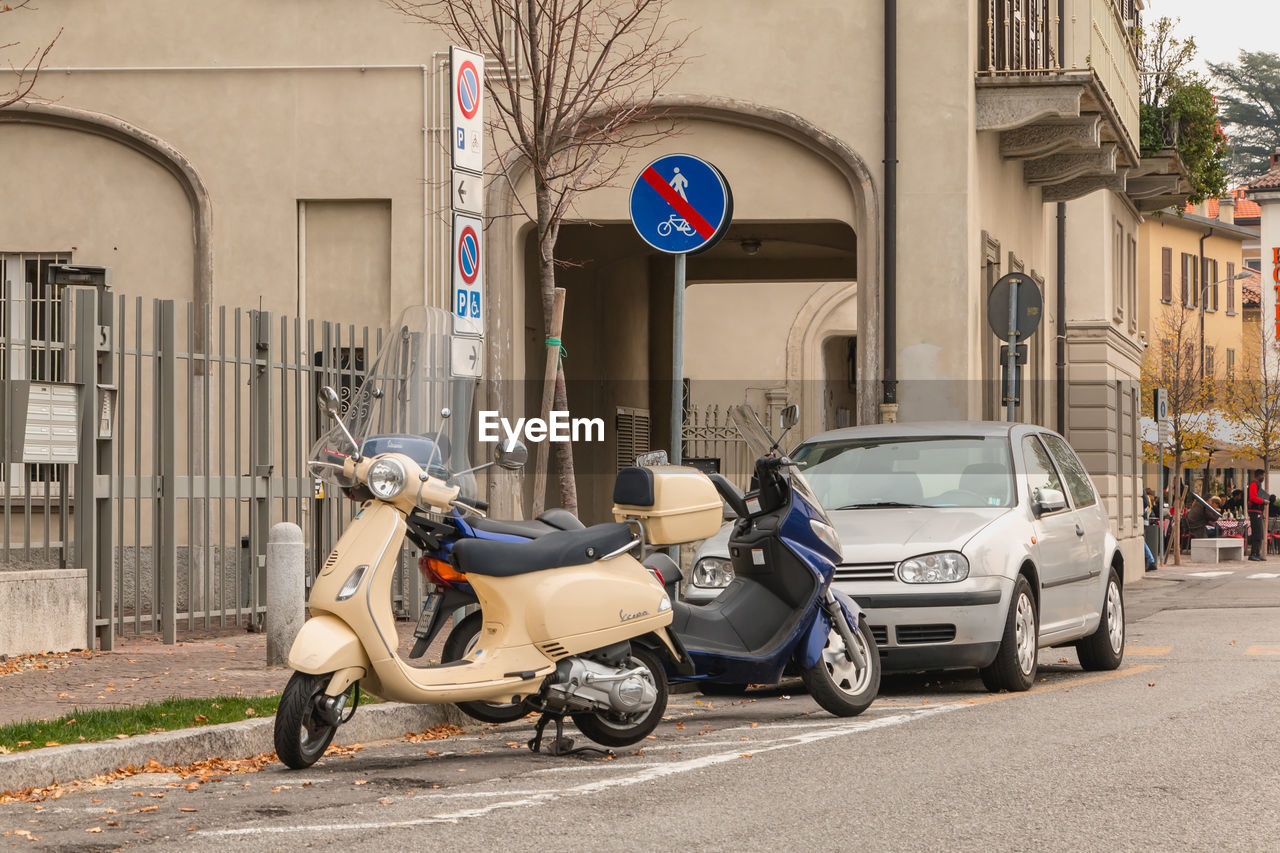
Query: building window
[
  {"x": 1254, "y": 264},
  {"x": 1231, "y": 362},
  {"x": 1190, "y": 293},
  {"x": 1209, "y": 275},
  {"x": 1117, "y": 270},
  {"x": 1208, "y": 362},
  {"x": 1166, "y": 275},
  {"x": 1231, "y": 300},
  {"x": 1133, "y": 282}
]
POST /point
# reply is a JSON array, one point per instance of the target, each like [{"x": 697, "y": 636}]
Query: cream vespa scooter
[{"x": 573, "y": 622}]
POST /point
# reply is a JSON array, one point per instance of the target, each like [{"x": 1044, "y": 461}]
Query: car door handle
[{"x": 1079, "y": 530}]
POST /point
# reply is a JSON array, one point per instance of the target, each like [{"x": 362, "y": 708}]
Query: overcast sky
[{"x": 1222, "y": 27}]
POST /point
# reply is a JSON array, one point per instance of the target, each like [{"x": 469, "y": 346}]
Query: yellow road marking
[
  {"x": 1262, "y": 650},
  {"x": 1147, "y": 651},
  {"x": 1062, "y": 685}
]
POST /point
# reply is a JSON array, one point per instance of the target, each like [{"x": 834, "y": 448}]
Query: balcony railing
[{"x": 1020, "y": 37}]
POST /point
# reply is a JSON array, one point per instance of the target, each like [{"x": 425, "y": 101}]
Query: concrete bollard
[{"x": 286, "y": 590}]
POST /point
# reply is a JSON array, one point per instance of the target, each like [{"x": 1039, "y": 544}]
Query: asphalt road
[{"x": 1177, "y": 750}]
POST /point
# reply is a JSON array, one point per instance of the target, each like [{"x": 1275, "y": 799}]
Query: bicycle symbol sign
[{"x": 681, "y": 204}]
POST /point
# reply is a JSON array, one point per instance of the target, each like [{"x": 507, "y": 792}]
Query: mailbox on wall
[{"x": 43, "y": 422}]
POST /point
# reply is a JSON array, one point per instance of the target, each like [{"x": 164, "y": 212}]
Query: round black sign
[{"x": 1030, "y": 307}]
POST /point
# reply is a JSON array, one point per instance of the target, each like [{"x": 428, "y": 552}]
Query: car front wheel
[
  {"x": 1014, "y": 668},
  {"x": 1104, "y": 648}
]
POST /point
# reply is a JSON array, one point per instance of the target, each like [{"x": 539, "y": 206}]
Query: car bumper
[{"x": 943, "y": 626}]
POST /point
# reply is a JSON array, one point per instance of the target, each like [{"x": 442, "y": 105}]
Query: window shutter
[
  {"x": 1231, "y": 291},
  {"x": 632, "y": 426},
  {"x": 1166, "y": 274}
]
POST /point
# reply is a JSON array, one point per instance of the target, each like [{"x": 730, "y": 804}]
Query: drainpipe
[
  {"x": 1061, "y": 330},
  {"x": 889, "y": 405}
]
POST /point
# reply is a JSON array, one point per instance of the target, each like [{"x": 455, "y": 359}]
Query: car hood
[{"x": 891, "y": 534}]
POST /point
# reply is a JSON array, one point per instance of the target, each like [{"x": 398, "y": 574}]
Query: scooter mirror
[
  {"x": 790, "y": 416},
  {"x": 512, "y": 455},
  {"x": 329, "y": 399}
]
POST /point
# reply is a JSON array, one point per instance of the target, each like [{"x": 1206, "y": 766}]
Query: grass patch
[{"x": 86, "y": 726}]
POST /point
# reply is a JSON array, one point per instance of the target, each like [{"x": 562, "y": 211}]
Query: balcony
[{"x": 1071, "y": 117}]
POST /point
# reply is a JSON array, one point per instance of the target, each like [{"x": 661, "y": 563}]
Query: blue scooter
[{"x": 779, "y": 616}]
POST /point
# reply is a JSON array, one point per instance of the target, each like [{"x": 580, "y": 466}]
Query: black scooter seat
[
  {"x": 533, "y": 528},
  {"x": 561, "y": 548}
]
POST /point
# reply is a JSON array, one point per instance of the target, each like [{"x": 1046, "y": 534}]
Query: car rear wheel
[
  {"x": 1014, "y": 668},
  {"x": 1104, "y": 648}
]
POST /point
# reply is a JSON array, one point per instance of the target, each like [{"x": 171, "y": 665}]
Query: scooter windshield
[{"x": 399, "y": 406}]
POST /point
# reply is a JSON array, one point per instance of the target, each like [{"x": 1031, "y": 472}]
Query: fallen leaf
[
  {"x": 156, "y": 795},
  {"x": 306, "y": 784},
  {"x": 249, "y": 712},
  {"x": 94, "y": 829},
  {"x": 384, "y": 802},
  {"x": 122, "y": 737},
  {"x": 358, "y": 782},
  {"x": 113, "y": 823},
  {"x": 745, "y": 755},
  {"x": 186, "y": 809},
  {"x": 109, "y": 811},
  {"x": 201, "y": 718},
  {"x": 1151, "y": 684}
]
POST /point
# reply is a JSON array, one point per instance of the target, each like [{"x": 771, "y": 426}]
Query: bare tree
[
  {"x": 573, "y": 84},
  {"x": 1165, "y": 60},
  {"x": 23, "y": 78},
  {"x": 1173, "y": 363}
]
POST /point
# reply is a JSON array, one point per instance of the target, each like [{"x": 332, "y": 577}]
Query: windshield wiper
[{"x": 878, "y": 504}]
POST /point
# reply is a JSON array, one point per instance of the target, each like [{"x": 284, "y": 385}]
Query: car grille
[
  {"x": 913, "y": 634},
  {"x": 881, "y": 634},
  {"x": 866, "y": 572}
]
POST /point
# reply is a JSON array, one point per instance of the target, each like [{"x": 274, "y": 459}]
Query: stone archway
[
  {"x": 811, "y": 328},
  {"x": 505, "y": 239},
  {"x": 152, "y": 147}
]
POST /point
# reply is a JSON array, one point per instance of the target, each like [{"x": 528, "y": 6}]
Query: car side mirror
[
  {"x": 512, "y": 455},
  {"x": 1048, "y": 500}
]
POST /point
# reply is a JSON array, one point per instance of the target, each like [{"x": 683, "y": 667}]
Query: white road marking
[
  {"x": 1263, "y": 576},
  {"x": 647, "y": 774},
  {"x": 1208, "y": 574}
]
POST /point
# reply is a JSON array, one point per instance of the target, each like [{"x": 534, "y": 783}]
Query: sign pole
[
  {"x": 677, "y": 364},
  {"x": 1011, "y": 363}
]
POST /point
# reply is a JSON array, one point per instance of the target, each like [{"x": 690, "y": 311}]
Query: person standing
[{"x": 1256, "y": 500}]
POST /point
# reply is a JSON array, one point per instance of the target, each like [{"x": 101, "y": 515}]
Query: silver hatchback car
[{"x": 969, "y": 544}]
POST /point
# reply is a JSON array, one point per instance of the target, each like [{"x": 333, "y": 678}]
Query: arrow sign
[
  {"x": 467, "y": 195},
  {"x": 681, "y": 204}
]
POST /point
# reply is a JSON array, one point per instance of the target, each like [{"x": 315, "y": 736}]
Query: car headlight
[
  {"x": 946, "y": 567},
  {"x": 712, "y": 573},
  {"x": 386, "y": 478},
  {"x": 827, "y": 534}
]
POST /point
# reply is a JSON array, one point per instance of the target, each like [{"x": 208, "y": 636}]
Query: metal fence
[
  {"x": 192, "y": 438},
  {"x": 711, "y": 441}
]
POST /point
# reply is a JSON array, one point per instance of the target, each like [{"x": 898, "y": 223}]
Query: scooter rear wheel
[
  {"x": 839, "y": 685},
  {"x": 460, "y": 642},
  {"x": 301, "y": 736},
  {"x": 613, "y": 730}
]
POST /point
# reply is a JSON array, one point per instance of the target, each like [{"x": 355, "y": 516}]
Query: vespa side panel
[
  {"x": 574, "y": 609},
  {"x": 327, "y": 644}
]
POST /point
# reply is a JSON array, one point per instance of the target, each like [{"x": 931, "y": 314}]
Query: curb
[{"x": 41, "y": 767}]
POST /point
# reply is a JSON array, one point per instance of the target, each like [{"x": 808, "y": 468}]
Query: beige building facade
[{"x": 292, "y": 156}]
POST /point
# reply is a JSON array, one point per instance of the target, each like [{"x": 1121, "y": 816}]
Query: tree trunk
[
  {"x": 548, "y": 231},
  {"x": 1175, "y": 531}
]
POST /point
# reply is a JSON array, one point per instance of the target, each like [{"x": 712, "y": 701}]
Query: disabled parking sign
[
  {"x": 681, "y": 204},
  {"x": 468, "y": 276}
]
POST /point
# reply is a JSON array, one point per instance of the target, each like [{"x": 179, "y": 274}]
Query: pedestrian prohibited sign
[
  {"x": 681, "y": 204},
  {"x": 468, "y": 278}
]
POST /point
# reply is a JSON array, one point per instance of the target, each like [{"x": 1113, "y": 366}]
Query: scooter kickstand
[{"x": 560, "y": 745}]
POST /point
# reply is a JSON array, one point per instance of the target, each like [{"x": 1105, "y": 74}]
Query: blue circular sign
[{"x": 681, "y": 204}]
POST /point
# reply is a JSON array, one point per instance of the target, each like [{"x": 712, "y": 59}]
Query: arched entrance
[{"x": 805, "y": 215}]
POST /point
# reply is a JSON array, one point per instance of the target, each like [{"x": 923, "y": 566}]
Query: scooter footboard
[{"x": 327, "y": 644}]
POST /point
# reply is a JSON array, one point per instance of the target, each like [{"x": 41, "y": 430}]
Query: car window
[
  {"x": 1040, "y": 470},
  {"x": 1072, "y": 471},
  {"x": 933, "y": 471}
]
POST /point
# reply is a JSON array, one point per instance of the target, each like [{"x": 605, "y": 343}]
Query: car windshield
[{"x": 946, "y": 471}]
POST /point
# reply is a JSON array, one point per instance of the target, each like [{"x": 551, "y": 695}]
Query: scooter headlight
[
  {"x": 712, "y": 573},
  {"x": 386, "y": 478},
  {"x": 946, "y": 567}
]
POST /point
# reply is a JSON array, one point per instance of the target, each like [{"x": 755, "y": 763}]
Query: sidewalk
[{"x": 142, "y": 669}]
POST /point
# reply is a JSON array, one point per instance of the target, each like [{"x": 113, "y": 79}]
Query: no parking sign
[{"x": 468, "y": 276}]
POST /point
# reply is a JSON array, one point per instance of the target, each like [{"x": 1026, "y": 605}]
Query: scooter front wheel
[
  {"x": 624, "y": 730},
  {"x": 838, "y": 684},
  {"x": 301, "y": 735}
]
